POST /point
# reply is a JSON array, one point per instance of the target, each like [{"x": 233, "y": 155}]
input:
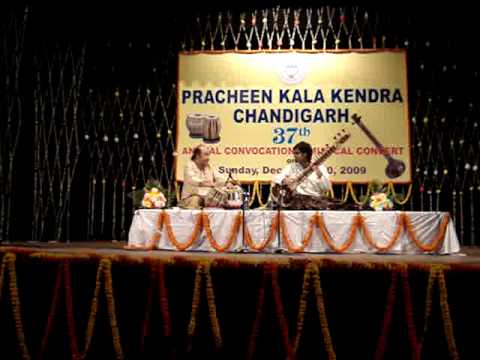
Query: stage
[{"x": 101, "y": 300}]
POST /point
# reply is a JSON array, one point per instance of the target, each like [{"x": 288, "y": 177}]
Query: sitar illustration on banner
[{"x": 251, "y": 108}]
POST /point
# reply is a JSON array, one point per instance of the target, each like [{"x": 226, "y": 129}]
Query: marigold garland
[
  {"x": 279, "y": 310},
  {"x": 212, "y": 309},
  {"x": 302, "y": 306},
  {"x": 104, "y": 271},
  {"x": 158, "y": 231},
  {"x": 203, "y": 269},
  {"x": 311, "y": 274},
  {"x": 351, "y": 235},
  {"x": 271, "y": 235},
  {"x": 72, "y": 332},
  {"x": 258, "y": 316},
  {"x": 111, "y": 309},
  {"x": 437, "y": 240},
  {"x": 195, "y": 303},
  {"x": 10, "y": 259},
  {"x": 447, "y": 320},
  {"x": 93, "y": 311},
  {"x": 231, "y": 237},
  {"x": 387, "y": 317},
  {"x": 391, "y": 242},
  {"x": 358, "y": 225},
  {"x": 327, "y": 339},
  {"x": 428, "y": 303},
  {"x": 412, "y": 329},
  {"x": 171, "y": 236},
  {"x": 52, "y": 312},
  {"x": 148, "y": 308},
  {"x": 2, "y": 273},
  {"x": 306, "y": 239},
  {"x": 167, "y": 324}
]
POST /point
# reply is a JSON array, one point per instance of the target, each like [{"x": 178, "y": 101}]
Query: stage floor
[{"x": 469, "y": 257}]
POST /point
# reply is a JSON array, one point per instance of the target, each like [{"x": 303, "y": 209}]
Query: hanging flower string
[
  {"x": 447, "y": 320},
  {"x": 258, "y": 316},
  {"x": 203, "y": 269},
  {"x": 104, "y": 271},
  {"x": 407, "y": 300},
  {"x": 52, "y": 312},
  {"x": 72, "y": 332},
  {"x": 387, "y": 317},
  {"x": 282, "y": 320}
]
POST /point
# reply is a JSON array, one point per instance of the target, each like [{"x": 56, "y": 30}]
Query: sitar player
[{"x": 308, "y": 192}]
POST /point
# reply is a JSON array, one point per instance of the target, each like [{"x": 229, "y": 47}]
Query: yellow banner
[{"x": 252, "y": 108}]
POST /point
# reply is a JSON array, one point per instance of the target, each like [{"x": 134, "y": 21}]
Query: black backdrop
[{"x": 87, "y": 100}]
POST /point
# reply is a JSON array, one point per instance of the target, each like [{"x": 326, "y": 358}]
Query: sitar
[
  {"x": 395, "y": 167},
  {"x": 286, "y": 189}
]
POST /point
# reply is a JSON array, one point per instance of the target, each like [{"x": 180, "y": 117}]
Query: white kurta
[{"x": 311, "y": 185}]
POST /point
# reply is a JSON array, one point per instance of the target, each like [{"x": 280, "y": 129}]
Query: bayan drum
[
  {"x": 216, "y": 197},
  {"x": 211, "y": 129},
  {"x": 195, "y": 125}
]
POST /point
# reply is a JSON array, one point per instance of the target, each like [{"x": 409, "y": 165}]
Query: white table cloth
[{"x": 381, "y": 226}]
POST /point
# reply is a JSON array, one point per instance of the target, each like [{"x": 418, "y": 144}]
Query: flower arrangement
[
  {"x": 379, "y": 200},
  {"x": 152, "y": 196}
]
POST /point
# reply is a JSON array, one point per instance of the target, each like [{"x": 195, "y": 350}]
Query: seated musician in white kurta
[
  {"x": 198, "y": 179},
  {"x": 315, "y": 185}
]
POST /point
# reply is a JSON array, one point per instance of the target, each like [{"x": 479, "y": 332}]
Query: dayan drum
[
  {"x": 234, "y": 198},
  {"x": 216, "y": 197},
  {"x": 195, "y": 125},
  {"x": 211, "y": 129}
]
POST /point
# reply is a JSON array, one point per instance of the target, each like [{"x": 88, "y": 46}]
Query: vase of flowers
[
  {"x": 152, "y": 196},
  {"x": 379, "y": 199}
]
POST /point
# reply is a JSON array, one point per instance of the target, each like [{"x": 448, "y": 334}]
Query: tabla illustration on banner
[{"x": 204, "y": 126}]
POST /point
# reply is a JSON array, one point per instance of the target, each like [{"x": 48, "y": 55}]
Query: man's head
[
  {"x": 201, "y": 155},
  {"x": 302, "y": 152}
]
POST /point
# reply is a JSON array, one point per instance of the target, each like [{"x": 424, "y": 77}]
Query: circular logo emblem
[{"x": 291, "y": 73}]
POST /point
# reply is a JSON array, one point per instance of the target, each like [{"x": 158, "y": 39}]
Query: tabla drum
[
  {"x": 195, "y": 125},
  {"x": 234, "y": 198},
  {"x": 211, "y": 129},
  {"x": 216, "y": 197}
]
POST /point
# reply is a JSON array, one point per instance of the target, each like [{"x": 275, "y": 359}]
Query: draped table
[{"x": 395, "y": 232}]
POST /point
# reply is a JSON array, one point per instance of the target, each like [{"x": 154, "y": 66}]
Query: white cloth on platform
[{"x": 381, "y": 226}]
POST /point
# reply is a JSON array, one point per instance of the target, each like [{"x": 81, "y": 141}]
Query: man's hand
[
  {"x": 318, "y": 172},
  {"x": 207, "y": 183},
  {"x": 290, "y": 183}
]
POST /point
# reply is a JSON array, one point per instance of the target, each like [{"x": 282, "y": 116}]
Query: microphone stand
[
  {"x": 246, "y": 197},
  {"x": 280, "y": 205}
]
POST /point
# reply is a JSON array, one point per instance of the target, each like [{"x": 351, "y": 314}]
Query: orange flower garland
[
  {"x": 205, "y": 270},
  {"x": 447, "y": 320},
  {"x": 53, "y": 309},
  {"x": 323, "y": 314},
  {"x": 311, "y": 273},
  {"x": 358, "y": 225},
  {"x": 391, "y": 242},
  {"x": 72, "y": 333},
  {"x": 306, "y": 239},
  {"x": 267, "y": 241},
  {"x": 437, "y": 240},
  {"x": 158, "y": 230},
  {"x": 387, "y": 317},
  {"x": 351, "y": 235},
  {"x": 231, "y": 238},
  {"x": 258, "y": 316},
  {"x": 282, "y": 320},
  {"x": 194, "y": 236},
  {"x": 10, "y": 259},
  {"x": 111, "y": 309}
]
